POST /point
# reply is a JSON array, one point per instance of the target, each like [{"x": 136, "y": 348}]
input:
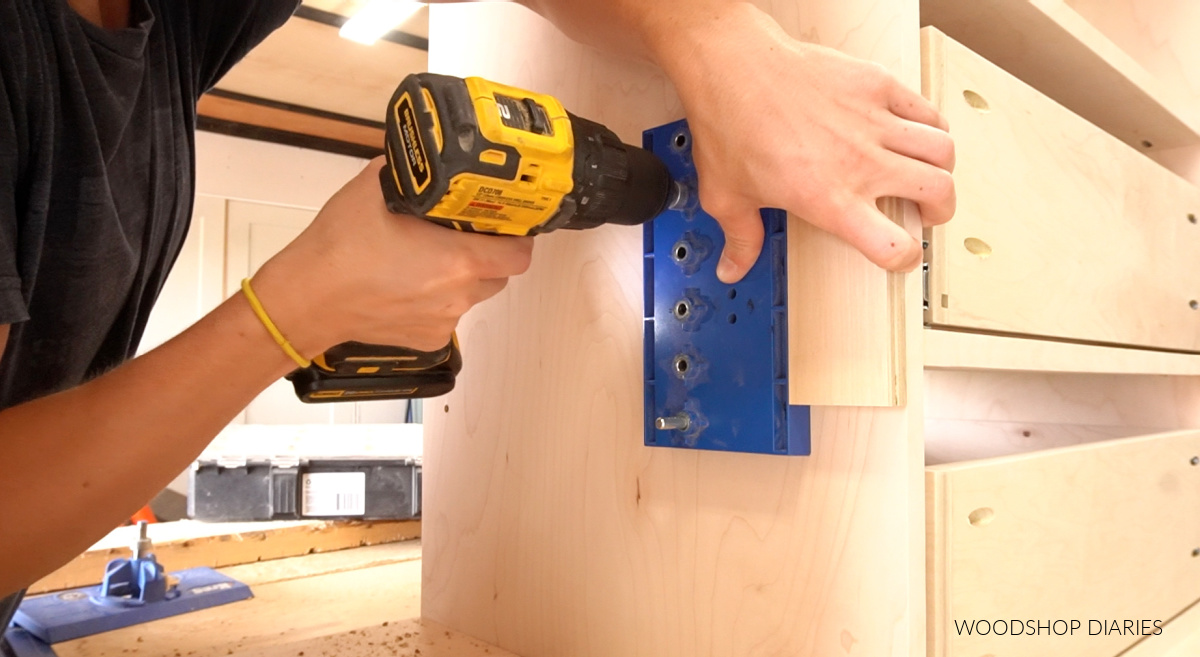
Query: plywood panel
[
  {"x": 964, "y": 350},
  {"x": 1100, "y": 532},
  {"x": 249, "y": 113},
  {"x": 1049, "y": 45},
  {"x": 306, "y": 63},
  {"x": 1061, "y": 230},
  {"x": 188, "y": 544},
  {"x": 1159, "y": 34},
  {"x": 356, "y": 598},
  {"x": 1162, "y": 402},
  {"x": 550, "y": 530}
]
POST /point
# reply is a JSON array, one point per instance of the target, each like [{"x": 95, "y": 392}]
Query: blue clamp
[{"x": 137, "y": 581}]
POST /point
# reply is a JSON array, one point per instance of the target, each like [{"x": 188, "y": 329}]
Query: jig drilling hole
[
  {"x": 680, "y": 141},
  {"x": 682, "y": 310},
  {"x": 975, "y": 100},
  {"x": 1194, "y": 305},
  {"x": 978, "y": 247},
  {"x": 681, "y": 252},
  {"x": 682, "y": 364},
  {"x": 733, "y": 294},
  {"x": 981, "y": 516},
  {"x": 733, "y": 319}
]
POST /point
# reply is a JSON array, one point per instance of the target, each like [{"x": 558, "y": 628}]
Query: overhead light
[{"x": 377, "y": 18}]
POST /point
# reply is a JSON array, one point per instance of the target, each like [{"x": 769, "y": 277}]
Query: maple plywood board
[
  {"x": 1049, "y": 45},
  {"x": 1180, "y": 637},
  {"x": 1164, "y": 403},
  {"x": 1062, "y": 230},
  {"x": 549, "y": 528},
  {"x": 1095, "y": 532},
  {"x": 963, "y": 350},
  {"x": 306, "y": 63},
  {"x": 296, "y": 602},
  {"x": 189, "y": 544},
  {"x": 1159, "y": 34}
]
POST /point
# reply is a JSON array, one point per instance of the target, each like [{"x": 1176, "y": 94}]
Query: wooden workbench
[{"x": 362, "y": 601}]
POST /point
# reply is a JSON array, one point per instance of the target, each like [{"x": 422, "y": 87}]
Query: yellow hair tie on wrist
[{"x": 261, "y": 313}]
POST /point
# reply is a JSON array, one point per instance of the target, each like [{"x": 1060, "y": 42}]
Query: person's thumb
[{"x": 743, "y": 243}]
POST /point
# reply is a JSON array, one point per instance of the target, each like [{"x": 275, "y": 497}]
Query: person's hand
[
  {"x": 780, "y": 123},
  {"x": 362, "y": 273}
]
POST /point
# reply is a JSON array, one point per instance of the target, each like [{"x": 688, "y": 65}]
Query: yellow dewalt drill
[{"x": 478, "y": 156}]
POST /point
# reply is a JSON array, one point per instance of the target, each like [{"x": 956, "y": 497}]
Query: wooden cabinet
[
  {"x": 1060, "y": 344},
  {"x": 1062, "y": 230}
]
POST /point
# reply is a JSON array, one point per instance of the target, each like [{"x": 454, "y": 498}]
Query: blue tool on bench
[{"x": 133, "y": 591}]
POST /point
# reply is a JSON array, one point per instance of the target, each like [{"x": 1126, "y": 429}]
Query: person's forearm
[{"x": 76, "y": 464}]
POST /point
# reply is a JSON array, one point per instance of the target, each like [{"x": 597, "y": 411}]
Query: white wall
[{"x": 248, "y": 170}]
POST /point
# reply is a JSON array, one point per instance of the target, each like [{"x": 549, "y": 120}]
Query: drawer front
[
  {"x": 1062, "y": 230},
  {"x": 1092, "y": 534}
]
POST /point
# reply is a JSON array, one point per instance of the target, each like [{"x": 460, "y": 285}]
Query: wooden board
[
  {"x": 1097, "y": 532},
  {"x": 1050, "y": 46},
  {"x": 188, "y": 544},
  {"x": 953, "y": 441},
  {"x": 247, "y": 112},
  {"x": 1061, "y": 230},
  {"x": 306, "y": 63},
  {"x": 1159, "y": 34},
  {"x": 963, "y": 350},
  {"x": 297, "y": 602},
  {"x": 1159, "y": 402},
  {"x": 1180, "y": 638},
  {"x": 550, "y": 530}
]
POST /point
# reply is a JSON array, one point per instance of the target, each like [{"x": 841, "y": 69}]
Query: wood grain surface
[{"x": 551, "y": 530}]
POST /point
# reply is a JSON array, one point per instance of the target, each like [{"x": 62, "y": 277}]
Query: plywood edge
[
  {"x": 947, "y": 349},
  {"x": 1054, "y": 49},
  {"x": 1073, "y": 451},
  {"x": 189, "y": 544},
  {"x": 933, "y": 83},
  {"x": 937, "y": 593},
  {"x": 1180, "y": 637}
]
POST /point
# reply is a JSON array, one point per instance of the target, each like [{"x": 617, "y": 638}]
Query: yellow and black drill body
[{"x": 478, "y": 156}]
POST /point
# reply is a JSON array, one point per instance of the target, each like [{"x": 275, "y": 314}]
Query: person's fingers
[
  {"x": 908, "y": 104},
  {"x": 931, "y": 187},
  {"x": 921, "y": 142},
  {"x": 881, "y": 240}
]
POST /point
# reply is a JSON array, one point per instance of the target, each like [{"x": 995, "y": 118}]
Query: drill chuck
[{"x": 615, "y": 183}]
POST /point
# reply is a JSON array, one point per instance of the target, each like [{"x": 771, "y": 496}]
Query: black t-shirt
[{"x": 97, "y": 171}]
